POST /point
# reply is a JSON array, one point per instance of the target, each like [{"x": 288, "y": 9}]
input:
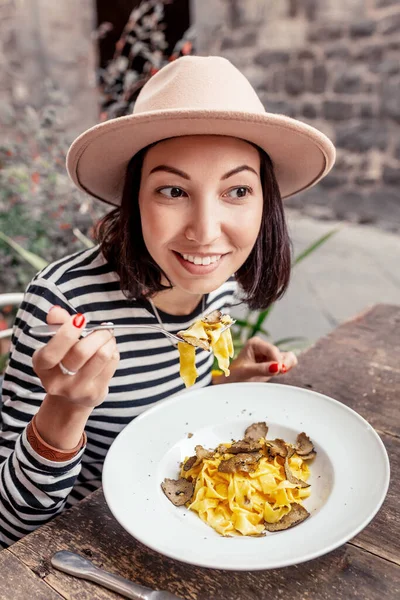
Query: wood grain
[
  {"x": 358, "y": 365},
  {"x": 345, "y": 573},
  {"x": 18, "y": 582},
  {"x": 381, "y": 536}
]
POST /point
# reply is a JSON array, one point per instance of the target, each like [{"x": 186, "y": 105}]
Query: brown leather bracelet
[{"x": 49, "y": 452}]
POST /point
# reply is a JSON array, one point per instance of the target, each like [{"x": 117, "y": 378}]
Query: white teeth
[{"x": 201, "y": 260}]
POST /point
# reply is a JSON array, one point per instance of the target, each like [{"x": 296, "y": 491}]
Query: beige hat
[{"x": 196, "y": 95}]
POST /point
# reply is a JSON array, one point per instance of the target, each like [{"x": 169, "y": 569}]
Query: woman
[{"x": 197, "y": 174}]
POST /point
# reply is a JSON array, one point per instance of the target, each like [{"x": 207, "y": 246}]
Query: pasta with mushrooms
[{"x": 247, "y": 487}]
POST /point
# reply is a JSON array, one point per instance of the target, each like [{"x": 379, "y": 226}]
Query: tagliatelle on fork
[
  {"x": 246, "y": 487},
  {"x": 205, "y": 333}
]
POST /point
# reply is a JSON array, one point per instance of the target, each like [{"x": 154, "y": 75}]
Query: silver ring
[{"x": 66, "y": 371}]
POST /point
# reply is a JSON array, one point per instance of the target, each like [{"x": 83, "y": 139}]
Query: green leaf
[
  {"x": 310, "y": 249},
  {"x": 264, "y": 331},
  {"x": 33, "y": 259},
  {"x": 82, "y": 238},
  {"x": 260, "y": 320}
]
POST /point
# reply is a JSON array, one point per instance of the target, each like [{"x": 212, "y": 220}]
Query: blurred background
[{"x": 67, "y": 65}]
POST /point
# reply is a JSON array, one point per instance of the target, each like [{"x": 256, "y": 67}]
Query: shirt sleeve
[{"x": 32, "y": 489}]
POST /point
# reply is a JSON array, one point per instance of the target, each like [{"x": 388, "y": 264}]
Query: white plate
[{"x": 349, "y": 476}]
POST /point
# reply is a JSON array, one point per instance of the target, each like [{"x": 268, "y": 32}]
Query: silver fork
[{"x": 50, "y": 330}]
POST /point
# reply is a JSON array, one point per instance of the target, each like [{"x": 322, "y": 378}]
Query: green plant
[
  {"x": 254, "y": 322},
  {"x": 33, "y": 259},
  {"x": 39, "y": 205}
]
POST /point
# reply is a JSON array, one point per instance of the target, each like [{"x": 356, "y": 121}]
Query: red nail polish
[
  {"x": 55, "y": 306},
  {"x": 283, "y": 369},
  {"x": 78, "y": 320},
  {"x": 274, "y": 368}
]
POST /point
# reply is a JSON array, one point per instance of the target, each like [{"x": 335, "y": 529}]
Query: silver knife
[{"x": 74, "y": 564}]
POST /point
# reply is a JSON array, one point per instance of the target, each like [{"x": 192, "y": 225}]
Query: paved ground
[{"x": 356, "y": 268}]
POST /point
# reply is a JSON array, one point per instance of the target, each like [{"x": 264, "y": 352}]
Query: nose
[{"x": 204, "y": 223}]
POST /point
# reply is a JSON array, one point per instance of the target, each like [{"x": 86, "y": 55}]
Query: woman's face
[{"x": 201, "y": 204}]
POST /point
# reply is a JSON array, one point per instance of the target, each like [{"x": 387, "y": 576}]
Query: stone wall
[
  {"x": 48, "y": 42},
  {"x": 336, "y": 65}
]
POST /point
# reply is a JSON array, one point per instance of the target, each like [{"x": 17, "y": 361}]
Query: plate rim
[{"x": 281, "y": 563}]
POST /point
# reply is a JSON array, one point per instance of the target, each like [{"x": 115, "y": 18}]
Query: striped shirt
[{"x": 34, "y": 489}]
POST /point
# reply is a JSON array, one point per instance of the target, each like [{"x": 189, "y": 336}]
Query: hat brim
[{"x": 97, "y": 160}]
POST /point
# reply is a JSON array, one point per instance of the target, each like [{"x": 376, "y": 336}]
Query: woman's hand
[
  {"x": 93, "y": 359},
  {"x": 70, "y": 399},
  {"x": 259, "y": 361}
]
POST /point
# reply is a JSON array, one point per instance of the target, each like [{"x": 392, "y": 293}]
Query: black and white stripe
[{"x": 33, "y": 489}]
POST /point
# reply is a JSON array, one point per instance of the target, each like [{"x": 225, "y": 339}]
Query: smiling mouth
[{"x": 201, "y": 260}]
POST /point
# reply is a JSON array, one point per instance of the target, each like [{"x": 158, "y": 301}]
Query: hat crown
[{"x": 198, "y": 83}]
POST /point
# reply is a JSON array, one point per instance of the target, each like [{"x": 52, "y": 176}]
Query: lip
[
  {"x": 198, "y": 269},
  {"x": 191, "y": 253}
]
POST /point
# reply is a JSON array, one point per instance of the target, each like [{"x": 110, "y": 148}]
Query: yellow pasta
[
  {"x": 207, "y": 335},
  {"x": 240, "y": 503},
  {"x": 187, "y": 363}
]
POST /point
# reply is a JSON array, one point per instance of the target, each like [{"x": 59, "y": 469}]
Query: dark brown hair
[{"x": 263, "y": 277}]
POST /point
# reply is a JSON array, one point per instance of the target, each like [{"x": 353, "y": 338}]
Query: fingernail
[
  {"x": 55, "y": 306},
  {"x": 283, "y": 369},
  {"x": 274, "y": 368},
  {"x": 115, "y": 356},
  {"x": 78, "y": 320}
]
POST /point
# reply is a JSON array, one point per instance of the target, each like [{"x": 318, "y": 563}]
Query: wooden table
[{"x": 359, "y": 365}]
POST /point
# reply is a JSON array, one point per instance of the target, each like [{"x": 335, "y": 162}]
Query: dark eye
[
  {"x": 239, "y": 192},
  {"x": 172, "y": 192}
]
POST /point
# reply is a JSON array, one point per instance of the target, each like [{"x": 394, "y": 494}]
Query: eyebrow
[
  {"x": 186, "y": 176},
  {"x": 169, "y": 170},
  {"x": 239, "y": 170}
]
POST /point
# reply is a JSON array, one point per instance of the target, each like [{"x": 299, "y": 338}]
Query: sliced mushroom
[
  {"x": 189, "y": 463},
  {"x": 201, "y": 454},
  {"x": 309, "y": 456},
  {"x": 256, "y": 431},
  {"x": 222, "y": 449},
  {"x": 289, "y": 475},
  {"x": 244, "y": 446},
  {"x": 304, "y": 445},
  {"x": 277, "y": 448},
  {"x": 294, "y": 517},
  {"x": 179, "y": 491},
  {"x": 241, "y": 462},
  {"x": 213, "y": 317},
  {"x": 194, "y": 341}
]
